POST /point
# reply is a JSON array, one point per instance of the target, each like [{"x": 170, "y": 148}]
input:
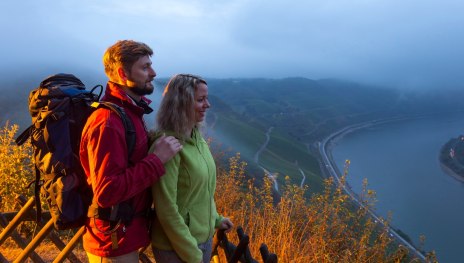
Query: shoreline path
[
  {"x": 269, "y": 174},
  {"x": 329, "y": 164}
]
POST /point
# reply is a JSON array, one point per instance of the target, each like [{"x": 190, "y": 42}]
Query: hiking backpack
[{"x": 59, "y": 108}]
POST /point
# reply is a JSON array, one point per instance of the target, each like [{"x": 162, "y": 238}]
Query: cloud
[
  {"x": 396, "y": 43},
  {"x": 372, "y": 40}
]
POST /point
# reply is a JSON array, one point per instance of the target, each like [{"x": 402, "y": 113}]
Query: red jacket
[{"x": 104, "y": 157}]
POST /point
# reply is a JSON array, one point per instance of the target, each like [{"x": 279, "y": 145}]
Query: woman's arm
[{"x": 167, "y": 211}]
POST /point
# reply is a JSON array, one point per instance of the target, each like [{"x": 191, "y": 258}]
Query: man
[{"x": 113, "y": 174}]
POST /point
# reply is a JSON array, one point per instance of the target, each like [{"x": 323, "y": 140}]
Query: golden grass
[
  {"x": 46, "y": 250},
  {"x": 327, "y": 228}
]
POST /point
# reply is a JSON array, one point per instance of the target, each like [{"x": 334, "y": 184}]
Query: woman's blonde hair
[{"x": 176, "y": 112}]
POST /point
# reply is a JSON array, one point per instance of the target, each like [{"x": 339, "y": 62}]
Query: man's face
[{"x": 141, "y": 75}]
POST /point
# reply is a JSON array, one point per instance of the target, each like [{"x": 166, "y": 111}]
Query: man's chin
[{"x": 143, "y": 91}]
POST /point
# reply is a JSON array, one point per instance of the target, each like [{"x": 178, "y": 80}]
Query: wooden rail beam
[
  {"x": 66, "y": 252},
  {"x": 21, "y": 242},
  {"x": 35, "y": 242},
  {"x": 52, "y": 235},
  {"x": 16, "y": 221}
]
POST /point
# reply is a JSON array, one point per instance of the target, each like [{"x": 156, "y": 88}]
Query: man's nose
[{"x": 152, "y": 72}]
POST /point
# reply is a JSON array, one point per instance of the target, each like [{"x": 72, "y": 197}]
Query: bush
[{"x": 15, "y": 168}]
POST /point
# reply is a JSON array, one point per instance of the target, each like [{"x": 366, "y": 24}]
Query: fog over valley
[{"x": 413, "y": 45}]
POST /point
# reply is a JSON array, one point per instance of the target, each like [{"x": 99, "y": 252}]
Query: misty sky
[{"x": 404, "y": 43}]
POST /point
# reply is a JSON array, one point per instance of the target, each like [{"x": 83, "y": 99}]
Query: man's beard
[{"x": 142, "y": 91}]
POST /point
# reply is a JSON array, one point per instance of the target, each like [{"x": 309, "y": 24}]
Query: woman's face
[{"x": 201, "y": 102}]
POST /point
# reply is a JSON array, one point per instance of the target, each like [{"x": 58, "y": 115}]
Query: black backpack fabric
[{"x": 59, "y": 108}]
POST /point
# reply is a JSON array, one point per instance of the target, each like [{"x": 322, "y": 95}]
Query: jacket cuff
[
  {"x": 159, "y": 166},
  {"x": 218, "y": 221}
]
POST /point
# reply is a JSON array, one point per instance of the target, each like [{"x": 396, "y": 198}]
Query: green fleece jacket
[{"x": 184, "y": 200}]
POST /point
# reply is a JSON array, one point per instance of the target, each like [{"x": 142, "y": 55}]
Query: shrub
[{"x": 15, "y": 168}]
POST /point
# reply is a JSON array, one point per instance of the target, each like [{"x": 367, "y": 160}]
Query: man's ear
[{"x": 122, "y": 74}]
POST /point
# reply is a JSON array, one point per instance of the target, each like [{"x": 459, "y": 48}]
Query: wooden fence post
[
  {"x": 241, "y": 252},
  {"x": 247, "y": 254},
  {"x": 266, "y": 256}
]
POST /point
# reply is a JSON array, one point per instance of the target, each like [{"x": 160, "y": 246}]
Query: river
[{"x": 400, "y": 162}]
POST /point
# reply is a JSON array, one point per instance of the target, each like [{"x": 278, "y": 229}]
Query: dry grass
[
  {"x": 327, "y": 228},
  {"x": 47, "y": 251}
]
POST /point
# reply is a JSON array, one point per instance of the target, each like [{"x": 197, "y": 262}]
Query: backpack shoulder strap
[
  {"x": 130, "y": 141},
  {"x": 126, "y": 121}
]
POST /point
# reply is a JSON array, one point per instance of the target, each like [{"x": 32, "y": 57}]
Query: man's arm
[{"x": 105, "y": 160}]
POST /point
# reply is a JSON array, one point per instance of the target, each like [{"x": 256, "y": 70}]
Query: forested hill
[
  {"x": 307, "y": 109},
  {"x": 302, "y": 111}
]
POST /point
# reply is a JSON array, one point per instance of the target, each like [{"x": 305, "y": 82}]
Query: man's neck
[{"x": 129, "y": 92}]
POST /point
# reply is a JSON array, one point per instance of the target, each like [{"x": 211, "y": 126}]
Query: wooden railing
[
  {"x": 241, "y": 252},
  {"x": 11, "y": 220},
  {"x": 27, "y": 213}
]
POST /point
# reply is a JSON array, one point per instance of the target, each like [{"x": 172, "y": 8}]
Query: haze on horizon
[{"x": 414, "y": 44}]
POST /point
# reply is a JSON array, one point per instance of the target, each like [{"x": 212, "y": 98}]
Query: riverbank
[
  {"x": 451, "y": 173},
  {"x": 450, "y": 158},
  {"x": 325, "y": 148}
]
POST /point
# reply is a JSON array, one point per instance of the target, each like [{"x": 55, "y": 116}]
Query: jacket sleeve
[
  {"x": 104, "y": 158},
  {"x": 167, "y": 211},
  {"x": 218, "y": 219}
]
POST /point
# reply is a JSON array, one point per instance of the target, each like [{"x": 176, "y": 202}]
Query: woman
[{"x": 186, "y": 215}]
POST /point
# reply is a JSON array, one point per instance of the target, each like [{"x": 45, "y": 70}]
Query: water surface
[{"x": 400, "y": 162}]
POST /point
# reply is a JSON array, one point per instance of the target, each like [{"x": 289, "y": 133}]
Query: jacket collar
[
  {"x": 114, "y": 93},
  {"x": 195, "y": 138}
]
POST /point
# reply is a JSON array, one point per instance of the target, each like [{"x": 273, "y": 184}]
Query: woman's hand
[{"x": 226, "y": 225}]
